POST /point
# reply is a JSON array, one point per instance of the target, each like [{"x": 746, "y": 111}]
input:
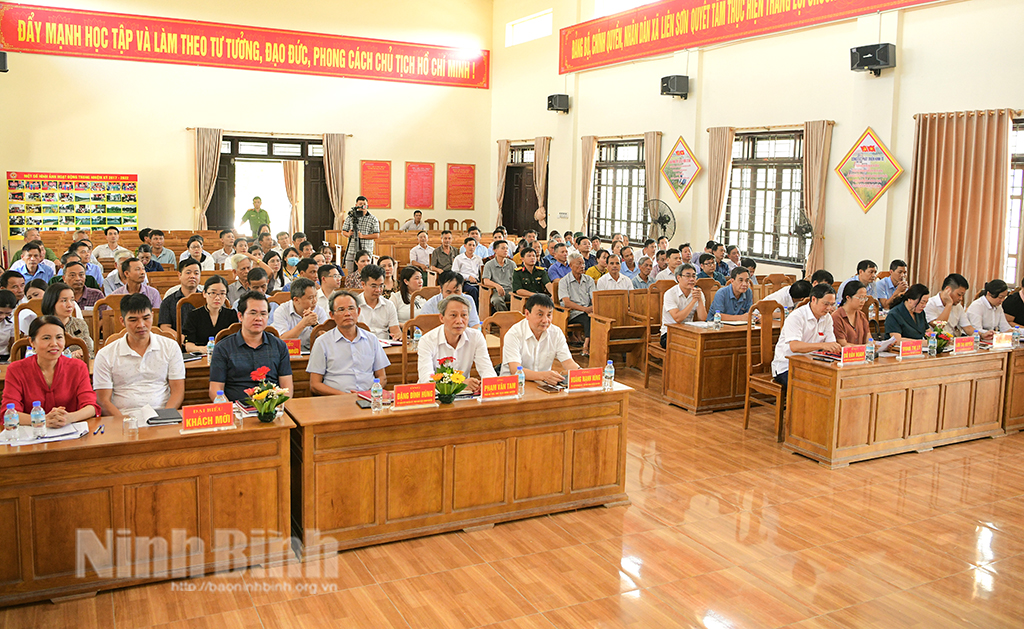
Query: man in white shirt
[
  {"x": 807, "y": 329},
  {"x": 948, "y": 306},
  {"x": 227, "y": 249},
  {"x": 330, "y": 281},
  {"x": 140, "y": 368},
  {"x": 614, "y": 279},
  {"x": 474, "y": 233},
  {"x": 455, "y": 338},
  {"x": 284, "y": 240},
  {"x": 789, "y": 296},
  {"x": 451, "y": 284},
  {"x": 379, "y": 314},
  {"x": 297, "y": 318},
  {"x": 683, "y": 302},
  {"x": 468, "y": 264},
  {"x": 866, "y": 272},
  {"x": 986, "y": 312},
  {"x": 534, "y": 344},
  {"x": 673, "y": 259},
  {"x": 419, "y": 256},
  {"x": 110, "y": 249},
  {"x": 347, "y": 358},
  {"x": 415, "y": 223}
]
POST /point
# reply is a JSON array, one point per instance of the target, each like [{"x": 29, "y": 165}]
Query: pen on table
[{"x": 98, "y": 430}]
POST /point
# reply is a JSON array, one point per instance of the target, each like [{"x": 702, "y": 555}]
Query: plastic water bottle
[
  {"x": 608, "y": 377},
  {"x": 11, "y": 422},
  {"x": 933, "y": 345},
  {"x": 38, "y": 420},
  {"x": 30, "y": 351},
  {"x": 1015, "y": 336},
  {"x": 221, "y": 398},
  {"x": 521, "y": 376},
  {"x": 869, "y": 351},
  {"x": 977, "y": 340},
  {"x": 376, "y": 396},
  {"x": 717, "y": 321},
  {"x": 417, "y": 334},
  {"x": 209, "y": 347}
]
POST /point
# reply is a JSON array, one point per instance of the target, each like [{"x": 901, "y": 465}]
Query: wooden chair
[
  {"x": 517, "y": 303},
  {"x": 19, "y": 348},
  {"x": 235, "y": 327},
  {"x": 196, "y": 300},
  {"x": 560, "y": 317},
  {"x": 426, "y": 293},
  {"x": 503, "y": 321},
  {"x": 653, "y": 348},
  {"x": 106, "y": 321},
  {"x": 484, "y": 295},
  {"x": 155, "y": 330},
  {"x": 873, "y": 311},
  {"x": 759, "y": 375},
  {"x": 391, "y": 224},
  {"x": 326, "y": 326},
  {"x": 281, "y": 297},
  {"x": 613, "y": 330},
  {"x": 451, "y": 224},
  {"x": 884, "y": 274},
  {"x": 790, "y": 279},
  {"x": 431, "y": 224},
  {"x": 425, "y": 323},
  {"x": 466, "y": 224},
  {"x": 709, "y": 286},
  {"x": 35, "y": 305}
]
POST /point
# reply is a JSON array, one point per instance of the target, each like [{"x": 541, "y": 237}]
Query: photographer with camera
[{"x": 361, "y": 228}]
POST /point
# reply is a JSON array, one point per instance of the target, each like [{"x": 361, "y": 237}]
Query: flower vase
[
  {"x": 445, "y": 398},
  {"x": 268, "y": 416}
]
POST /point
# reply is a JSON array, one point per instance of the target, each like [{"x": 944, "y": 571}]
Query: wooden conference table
[
  {"x": 361, "y": 478},
  {"x": 705, "y": 369},
  {"x": 841, "y": 414},
  {"x": 213, "y": 487}
]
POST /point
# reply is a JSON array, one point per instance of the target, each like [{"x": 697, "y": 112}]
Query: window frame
[
  {"x": 1016, "y": 166},
  {"x": 635, "y": 172}
]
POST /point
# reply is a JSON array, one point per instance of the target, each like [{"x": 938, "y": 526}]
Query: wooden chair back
[
  {"x": 873, "y": 311},
  {"x": 884, "y": 274},
  {"x": 613, "y": 304},
  {"x": 391, "y": 224},
  {"x": 106, "y": 319},
  {"x": 425, "y": 323},
  {"x": 766, "y": 309},
  {"x": 517, "y": 303},
  {"x": 466, "y": 224},
  {"x": 35, "y": 305},
  {"x": 503, "y": 321},
  {"x": 20, "y": 347},
  {"x": 709, "y": 286},
  {"x": 196, "y": 300},
  {"x": 155, "y": 330},
  {"x": 326, "y": 326},
  {"x": 235, "y": 327},
  {"x": 281, "y": 297},
  {"x": 790, "y": 279},
  {"x": 431, "y": 223},
  {"x": 451, "y": 224},
  {"x": 426, "y": 293}
]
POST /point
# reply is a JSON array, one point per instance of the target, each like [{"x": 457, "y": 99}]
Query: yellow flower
[
  {"x": 261, "y": 395},
  {"x": 437, "y": 377},
  {"x": 458, "y": 378}
]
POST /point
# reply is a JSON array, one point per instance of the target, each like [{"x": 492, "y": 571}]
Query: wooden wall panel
[
  {"x": 56, "y": 518},
  {"x": 924, "y": 410},
  {"x": 540, "y": 465},
  {"x": 988, "y": 394},
  {"x": 890, "y": 415},
  {"x": 10, "y": 562},
  {"x": 595, "y": 457},
  {"x": 854, "y": 421},
  {"x": 156, "y": 509},
  {"x": 956, "y": 405},
  {"x": 479, "y": 474},
  {"x": 344, "y": 493},
  {"x": 415, "y": 483},
  {"x": 244, "y": 501}
]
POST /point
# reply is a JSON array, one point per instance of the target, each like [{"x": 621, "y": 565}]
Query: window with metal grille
[
  {"x": 619, "y": 202},
  {"x": 521, "y": 154},
  {"x": 766, "y": 203},
  {"x": 1014, "y": 218}
]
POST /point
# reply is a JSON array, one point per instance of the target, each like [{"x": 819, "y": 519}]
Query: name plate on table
[
  {"x": 1003, "y": 340},
  {"x": 294, "y": 346},
  {"x": 585, "y": 379},
  {"x": 499, "y": 388},
  {"x": 205, "y": 417},
  {"x": 963, "y": 345},
  {"x": 910, "y": 349},
  {"x": 414, "y": 396},
  {"x": 854, "y": 354}
]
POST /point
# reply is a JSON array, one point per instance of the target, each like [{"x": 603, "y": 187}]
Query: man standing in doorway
[
  {"x": 362, "y": 229},
  {"x": 256, "y": 216}
]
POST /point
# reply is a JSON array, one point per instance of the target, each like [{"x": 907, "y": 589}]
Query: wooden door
[
  {"x": 318, "y": 214},
  {"x": 520, "y": 202},
  {"x": 221, "y": 213}
]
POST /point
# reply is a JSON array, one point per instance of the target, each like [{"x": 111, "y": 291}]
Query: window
[
  {"x": 315, "y": 150},
  {"x": 1014, "y": 233},
  {"x": 521, "y": 154},
  {"x": 765, "y": 203},
  {"x": 528, "y": 28},
  {"x": 253, "y": 148},
  {"x": 611, "y": 7},
  {"x": 620, "y": 194},
  {"x": 288, "y": 150}
]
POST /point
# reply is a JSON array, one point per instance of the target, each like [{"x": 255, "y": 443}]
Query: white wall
[
  {"x": 80, "y": 115},
  {"x": 950, "y": 56}
]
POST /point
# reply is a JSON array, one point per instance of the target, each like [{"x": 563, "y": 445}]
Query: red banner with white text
[
  {"x": 73, "y": 33},
  {"x": 663, "y": 27}
]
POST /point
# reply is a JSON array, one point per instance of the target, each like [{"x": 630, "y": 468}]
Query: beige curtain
[
  {"x": 817, "y": 146},
  {"x": 958, "y": 196},
  {"x": 207, "y": 162},
  {"x": 589, "y": 157},
  {"x": 334, "y": 171},
  {"x": 504, "y": 146},
  {"x": 719, "y": 167},
  {"x": 541, "y": 149},
  {"x": 292, "y": 181},
  {"x": 652, "y": 174}
]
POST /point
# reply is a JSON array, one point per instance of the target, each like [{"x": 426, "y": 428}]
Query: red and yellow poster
[
  {"x": 68, "y": 201},
  {"x": 868, "y": 170},
  {"x": 663, "y": 27},
  {"x": 375, "y": 183},
  {"x": 419, "y": 185},
  {"x": 461, "y": 186},
  {"x": 74, "y": 33}
]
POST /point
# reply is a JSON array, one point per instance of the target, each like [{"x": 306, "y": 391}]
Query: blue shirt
[
  {"x": 93, "y": 270},
  {"x": 558, "y": 270},
  {"x": 870, "y": 288},
  {"x": 723, "y": 268},
  {"x": 589, "y": 261},
  {"x": 347, "y": 365},
  {"x": 431, "y": 308},
  {"x": 480, "y": 251},
  {"x": 548, "y": 260},
  {"x": 884, "y": 289},
  {"x": 630, "y": 274},
  {"x": 43, "y": 272},
  {"x": 727, "y": 303},
  {"x": 233, "y": 360},
  {"x": 718, "y": 277}
]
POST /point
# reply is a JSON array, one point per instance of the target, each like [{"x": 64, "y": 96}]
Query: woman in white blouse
[
  {"x": 409, "y": 281},
  {"x": 986, "y": 313}
]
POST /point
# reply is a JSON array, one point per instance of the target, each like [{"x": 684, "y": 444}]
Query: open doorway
[
  {"x": 263, "y": 179},
  {"x": 519, "y": 205}
]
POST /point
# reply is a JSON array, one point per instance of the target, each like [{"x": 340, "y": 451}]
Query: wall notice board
[
  {"x": 68, "y": 201},
  {"x": 375, "y": 182},
  {"x": 419, "y": 185},
  {"x": 461, "y": 186}
]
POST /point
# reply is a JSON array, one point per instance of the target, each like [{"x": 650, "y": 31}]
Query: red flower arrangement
[{"x": 265, "y": 396}]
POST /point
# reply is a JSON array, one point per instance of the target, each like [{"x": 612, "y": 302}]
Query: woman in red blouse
[{"x": 60, "y": 383}]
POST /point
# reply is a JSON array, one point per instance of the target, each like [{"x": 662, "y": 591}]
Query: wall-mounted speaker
[
  {"x": 675, "y": 85},
  {"x": 873, "y": 58},
  {"x": 3, "y": 61},
  {"x": 559, "y": 103}
]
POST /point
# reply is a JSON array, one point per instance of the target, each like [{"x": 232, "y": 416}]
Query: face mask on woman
[{"x": 292, "y": 261}]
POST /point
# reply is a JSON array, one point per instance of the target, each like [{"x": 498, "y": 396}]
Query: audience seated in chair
[{"x": 347, "y": 358}]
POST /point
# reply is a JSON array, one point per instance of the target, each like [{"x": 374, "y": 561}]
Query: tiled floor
[{"x": 726, "y": 529}]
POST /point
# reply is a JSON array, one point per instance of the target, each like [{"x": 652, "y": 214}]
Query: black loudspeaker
[
  {"x": 3, "y": 61},
  {"x": 873, "y": 58},
  {"x": 675, "y": 85},
  {"x": 558, "y": 102}
]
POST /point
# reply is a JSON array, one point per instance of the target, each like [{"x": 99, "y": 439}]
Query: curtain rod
[
  {"x": 961, "y": 114},
  {"x": 273, "y": 134},
  {"x": 525, "y": 141},
  {"x": 774, "y": 127}
]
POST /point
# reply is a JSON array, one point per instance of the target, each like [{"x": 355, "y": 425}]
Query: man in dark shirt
[
  {"x": 252, "y": 347},
  {"x": 189, "y": 273},
  {"x": 530, "y": 278},
  {"x": 1013, "y": 307},
  {"x": 441, "y": 258}
]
